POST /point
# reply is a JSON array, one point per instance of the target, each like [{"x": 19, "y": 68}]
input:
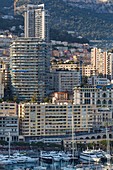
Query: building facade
[
  {"x": 2, "y": 85},
  {"x": 64, "y": 80},
  {"x": 40, "y": 121},
  {"x": 94, "y": 80},
  {"x": 61, "y": 97},
  {"x": 36, "y": 22},
  {"x": 64, "y": 66},
  {"x": 9, "y": 122},
  {"x": 102, "y": 117},
  {"x": 102, "y": 62},
  {"x": 29, "y": 66},
  {"x": 99, "y": 95}
]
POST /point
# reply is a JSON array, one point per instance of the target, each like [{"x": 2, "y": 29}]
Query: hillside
[
  {"x": 63, "y": 16},
  {"x": 5, "y": 3},
  {"x": 100, "y": 6},
  {"x": 84, "y": 22}
]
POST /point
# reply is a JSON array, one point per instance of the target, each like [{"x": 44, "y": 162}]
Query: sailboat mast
[
  {"x": 9, "y": 143},
  {"x": 108, "y": 147},
  {"x": 73, "y": 153}
]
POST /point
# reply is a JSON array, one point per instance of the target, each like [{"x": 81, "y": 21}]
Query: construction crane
[
  {"x": 15, "y": 1},
  {"x": 20, "y": 5},
  {"x": 15, "y": 5}
]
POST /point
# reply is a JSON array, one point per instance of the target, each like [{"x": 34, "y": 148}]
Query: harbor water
[
  {"x": 34, "y": 166},
  {"x": 53, "y": 166}
]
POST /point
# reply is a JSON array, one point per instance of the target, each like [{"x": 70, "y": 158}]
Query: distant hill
[
  {"x": 6, "y": 3},
  {"x": 100, "y": 6},
  {"x": 64, "y": 16},
  {"x": 85, "y": 22}
]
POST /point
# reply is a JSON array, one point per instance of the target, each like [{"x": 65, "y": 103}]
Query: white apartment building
[
  {"x": 36, "y": 22},
  {"x": 94, "y": 80},
  {"x": 102, "y": 62},
  {"x": 99, "y": 95},
  {"x": 97, "y": 59},
  {"x": 29, "y": 65},
  {"x": 109, "y": 66}
]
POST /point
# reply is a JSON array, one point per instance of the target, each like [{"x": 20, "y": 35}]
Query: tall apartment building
[
  {"x": 29, "y": 65},
  {"x": 97, "y": 59},
  {"x": 36, "y": 22},
  {"x": 102, "y": 62},
  {"x": 109, "y": 66}
]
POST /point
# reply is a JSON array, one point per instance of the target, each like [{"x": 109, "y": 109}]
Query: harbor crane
[{"x": 20, "y": 5}]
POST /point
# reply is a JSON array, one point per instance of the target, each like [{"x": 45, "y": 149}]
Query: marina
[
  {"x": 54, "y": 160},
  {"x": 89, "y": 159}
]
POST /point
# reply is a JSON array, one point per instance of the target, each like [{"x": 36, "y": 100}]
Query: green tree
[{"x": 33, "y": 98}]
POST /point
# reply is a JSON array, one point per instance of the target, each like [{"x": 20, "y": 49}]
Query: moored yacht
[
  {"x": 6, "y": 162},
  {"x": 45, "y": 157},
  {"x": 101, "y": 154},
  {"x": 89, "y": 156}
]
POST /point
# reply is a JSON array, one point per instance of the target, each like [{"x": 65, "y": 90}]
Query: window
[
  {"x": 98, "y": 102},
  {"x": 104, "y": 102},
  {"x": 87, "y": 95},
  {"x": 110, "y": 102},
  {"x": 104, "y": 95},
  {"x": 87, "y": 101}
]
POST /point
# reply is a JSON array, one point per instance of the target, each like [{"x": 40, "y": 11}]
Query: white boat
[
  {"x": 20, "y": 160},
  {"x": 66, "y": 158},
  {"x": 89, "y": 156},
  {"x": 6, "y": 161},
  {"x": 102, "y": 154},
  {"x": 90, "y": 166},
  {"x": 74, "y": 148},
  {"x": 56, "y": 158},
  {"x": 46, "y": 159},
  {"x": 14, "y": 161},
  {"x": 40, "y": 168}
]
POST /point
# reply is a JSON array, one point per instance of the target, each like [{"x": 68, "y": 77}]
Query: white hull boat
[{"x": 89, "y": 156}]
